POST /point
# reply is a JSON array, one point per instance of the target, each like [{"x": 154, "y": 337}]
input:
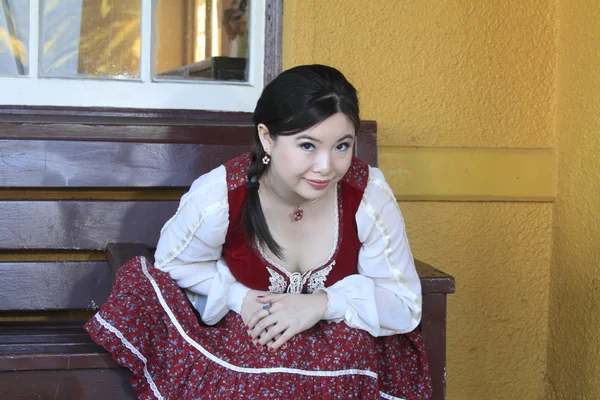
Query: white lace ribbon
[{"x": 296, "y": 283}]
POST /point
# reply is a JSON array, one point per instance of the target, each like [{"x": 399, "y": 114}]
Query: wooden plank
[
  {"x": 29, "y": 349},
  {"x": 113, "y": 164},
  {"x": 54, "y": 285},
  {"x": 273, "y": 47},
  {"x": 433, "y": 280},
  {"x": 31, "y": 345},
  {"x": 57, "y": 338},
  {"x": 49, "y": 361},
  {"x": 119, "y": 253},
  {"x": 433, "y": 329},
  {"x": 81, "y": 164},
  {"x": 87, "y": 384},
  {"x": 127, "y": 116},
  {"x": 365, "y": 146},
  {"x": 40, "y": 328},
  {"x": 81, "y": 225}
]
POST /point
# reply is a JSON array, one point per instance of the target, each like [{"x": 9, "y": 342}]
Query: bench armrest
[
  {"x": 433, "y": 280},
  {"x": 435, "y": 286}
]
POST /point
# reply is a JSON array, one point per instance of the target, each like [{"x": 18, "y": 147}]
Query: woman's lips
[{"x": 319, "y": 185}]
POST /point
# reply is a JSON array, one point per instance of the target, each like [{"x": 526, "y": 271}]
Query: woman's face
[{"x": 308, "y": 164}]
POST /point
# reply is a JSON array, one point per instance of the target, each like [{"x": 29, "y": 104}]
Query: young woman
[{"x": 296, "y": 260}]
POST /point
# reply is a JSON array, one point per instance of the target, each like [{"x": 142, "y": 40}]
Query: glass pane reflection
[
  {"x": 91, "y": 38},
  {"x": 14, "y": 37},
  {"x": 202, "y": 39}
]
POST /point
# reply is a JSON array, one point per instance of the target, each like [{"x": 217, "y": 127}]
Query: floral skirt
[{"x": 149, "y": 326}]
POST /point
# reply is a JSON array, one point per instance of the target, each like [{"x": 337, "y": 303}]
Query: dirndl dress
[{"x": 150, "y": 325}]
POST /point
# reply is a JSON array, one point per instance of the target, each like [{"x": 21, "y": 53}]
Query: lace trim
[
  {"x": 331, "y": 255},
  {"x": 135, "y": 351},
  {"x": 396, "y": 273},
  {"x": 277, "y": 281},
  {"x": 225, "y": 364},
  {"x": 386, "y": 189},
  {"x": 183, "y": 244},
  {"x": 316, "y": 280},
  {"x": 390, "y": 397},
  {"x": 209, "y": 186}
]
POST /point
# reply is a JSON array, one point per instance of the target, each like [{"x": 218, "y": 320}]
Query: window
[{"x": 177, "y": 54}]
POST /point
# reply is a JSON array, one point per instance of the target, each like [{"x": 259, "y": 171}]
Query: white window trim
[{"x": 197, "y": 95}]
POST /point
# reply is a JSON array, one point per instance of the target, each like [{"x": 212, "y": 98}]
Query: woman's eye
[
  {"x": 307, "y": 146},
  {"x": 342, "y": 147}
]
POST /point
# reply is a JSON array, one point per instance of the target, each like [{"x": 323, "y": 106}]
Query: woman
[{"x": 296, "y": 260}]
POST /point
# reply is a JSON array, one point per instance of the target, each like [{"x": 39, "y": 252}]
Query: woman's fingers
[
  {"x": 281, "y": 342},
  {"x": 271, "y": 333},
  {"x": 270, "y": 343},
  {"x": 269, "y": 298},
  {"x": 265, "y": 323},
  {"x": 258, "y": 316}
]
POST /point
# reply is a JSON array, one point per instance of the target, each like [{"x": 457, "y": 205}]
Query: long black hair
[{"x": 297, "y": 99}]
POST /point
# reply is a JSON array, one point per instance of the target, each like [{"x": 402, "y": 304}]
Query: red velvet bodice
[{"x": 245, "y": 261}]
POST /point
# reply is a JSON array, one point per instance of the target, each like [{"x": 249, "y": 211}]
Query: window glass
[
  {"x": 90, "y": 38},
  {"x": 202, "y": 39},
  {"x": 14, "y": 37}
]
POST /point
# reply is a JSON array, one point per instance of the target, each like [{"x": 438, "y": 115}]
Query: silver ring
[{"x": 267, "y": 307}]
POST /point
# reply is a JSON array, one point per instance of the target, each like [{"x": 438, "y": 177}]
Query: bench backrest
[{"x": 76, "y": 180}]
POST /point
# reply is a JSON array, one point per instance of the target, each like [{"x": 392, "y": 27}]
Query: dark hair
[{"x": 294, "y": 101}]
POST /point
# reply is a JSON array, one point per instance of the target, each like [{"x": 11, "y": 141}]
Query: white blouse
[{"x": 384, "y": 298}]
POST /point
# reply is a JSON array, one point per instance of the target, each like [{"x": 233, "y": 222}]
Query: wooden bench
[{"x": 84, "y": 190}]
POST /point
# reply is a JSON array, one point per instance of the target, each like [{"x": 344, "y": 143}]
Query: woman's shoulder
[
  {"x": 357, "y": 175},
  {"x": 361, "y": 175},
  {"x": 205, "y": 202},
  {"x": 236, "y": 170},
  {"x": 226, "y": 176},
  {"x": 367, "y": 181}
]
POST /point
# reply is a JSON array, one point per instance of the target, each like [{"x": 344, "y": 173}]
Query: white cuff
[
  {"x": 235, "y": 298},
  {"x": 336, "y": 304}
]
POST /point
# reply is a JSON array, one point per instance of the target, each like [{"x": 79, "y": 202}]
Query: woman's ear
[{"x": 265, "y": 138}]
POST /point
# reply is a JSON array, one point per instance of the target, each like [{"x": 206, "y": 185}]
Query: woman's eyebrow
[
  {"x": 348, "y": 136},
  {"x": 302, "y": 137}
]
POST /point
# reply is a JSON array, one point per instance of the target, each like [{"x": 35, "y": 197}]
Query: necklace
[{"x": 299, "y": 212}]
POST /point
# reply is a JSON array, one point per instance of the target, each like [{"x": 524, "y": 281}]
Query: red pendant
[{"x": 298, "y": 214}]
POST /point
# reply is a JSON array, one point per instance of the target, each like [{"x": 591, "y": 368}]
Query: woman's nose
[{"x": 323, "y": 164}]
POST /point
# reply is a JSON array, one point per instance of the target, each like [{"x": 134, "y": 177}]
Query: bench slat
[
  {"x": 31, "y": 338},
  {"x": 61, "y": 164},
  {"x": 188, "y": 152},
  {"x": 51, "y": 348},
  {"x": 25, "y": 362},
  {"x": 86, "y": 225},
  {"x": 83, "y": 384},
  {"x": 54, "y": 285}
]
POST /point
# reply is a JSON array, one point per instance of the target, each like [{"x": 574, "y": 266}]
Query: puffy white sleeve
[
  {"x": 190, "y": 249},
  {"x": 384, "y": 298}
]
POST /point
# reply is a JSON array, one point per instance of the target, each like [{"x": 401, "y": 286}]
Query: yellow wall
[
  {"x": 460, "y": 74},
  {"x": 574, "y": 345}
]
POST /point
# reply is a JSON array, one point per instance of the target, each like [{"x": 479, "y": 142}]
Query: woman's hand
[
  {"x": 289, "y": 315},
  {"x": 251, "y": 307}
]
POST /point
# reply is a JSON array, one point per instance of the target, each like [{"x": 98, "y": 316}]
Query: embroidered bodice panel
[
  {"x": 296, "y": 282},
  {"x": 251, "y": 267}
]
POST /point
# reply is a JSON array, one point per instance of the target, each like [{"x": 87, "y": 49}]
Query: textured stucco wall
[
  {"x": 438, "y": 72},
  {"x": 574, "y": 344},
  {"x": 464, "y": 74}
]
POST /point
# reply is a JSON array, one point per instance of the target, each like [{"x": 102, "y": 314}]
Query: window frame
[{"x": 35, "y": 91}]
